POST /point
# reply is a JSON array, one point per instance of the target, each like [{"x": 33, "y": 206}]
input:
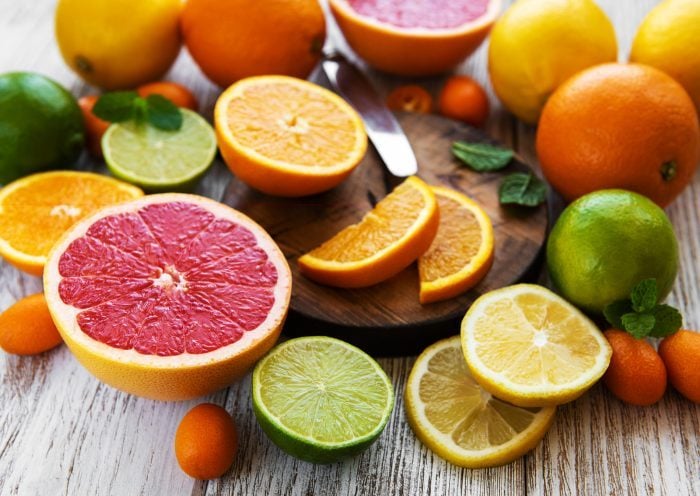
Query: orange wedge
[
  {"x": 462, "y": 251},
  {"x": 288, "y": 137},
  {"x": 37, "y": 209},
  {"x": 386, "y": 241}
]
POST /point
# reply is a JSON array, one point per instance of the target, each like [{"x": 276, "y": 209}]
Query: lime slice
[
  {"x": 321, "y": 399},
  {"x": 461, "y": 422},
  {"x": 160, "y": 160}
]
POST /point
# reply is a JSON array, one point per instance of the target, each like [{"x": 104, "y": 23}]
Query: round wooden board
[{"x": 387, "y": 319}]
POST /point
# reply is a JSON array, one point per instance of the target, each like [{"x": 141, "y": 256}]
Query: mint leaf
[
  {"x": 482, "y": 157},
  {"x": 638, "y": 324},
  {"x": 614, "y": 311},
  {"x": 115, "y": 107},
  {"x": 644, "y": 296},
  {"x": 162, "y": 113},
  {"x": 668, "y": 321},
  {"x": 522, "y": 189}
]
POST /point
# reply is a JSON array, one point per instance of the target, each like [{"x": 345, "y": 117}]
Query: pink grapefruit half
[
  {"x": 415, "y": 38},
  {"x": 170, "y": 296}
]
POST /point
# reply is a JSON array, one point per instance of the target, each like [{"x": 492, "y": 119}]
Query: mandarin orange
[
  {"x": 625, "y": 126},
  {"x": 26, "y": 328},
  {"x": 681, "y": 354}
]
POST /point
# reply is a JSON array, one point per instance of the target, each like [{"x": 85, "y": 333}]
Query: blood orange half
[
  {"x": 417, "y": 38},
  {"x": 170, "y": 296}
]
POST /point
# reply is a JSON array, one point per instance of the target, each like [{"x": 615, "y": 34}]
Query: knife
[{"x": 383, "y": 129}]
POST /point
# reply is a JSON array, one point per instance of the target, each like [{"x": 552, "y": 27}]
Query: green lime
[
  {"x": 159, "y": 160},
  {"x": 605, "y": 243},
  {"x": 41, "y": 126},
  {"x": 321, "y": 399}
]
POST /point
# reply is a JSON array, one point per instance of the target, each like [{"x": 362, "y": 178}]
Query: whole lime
[
  {"x": 605, "y": 243},
  {"x": 41, "y": 126}
]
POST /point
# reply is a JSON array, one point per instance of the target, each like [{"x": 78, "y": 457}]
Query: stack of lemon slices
[{"x": 489, "y": 396}]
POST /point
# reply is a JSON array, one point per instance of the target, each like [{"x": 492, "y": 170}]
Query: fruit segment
[{"x": 389, "y": 238}]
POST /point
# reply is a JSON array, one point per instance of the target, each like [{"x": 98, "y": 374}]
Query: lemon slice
[
  {"x": 458, "y": 420},
  {"x": 528, "y": 346}
]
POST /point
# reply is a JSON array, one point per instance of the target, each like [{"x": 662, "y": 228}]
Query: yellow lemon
[
  {"x": 117, "y": 44},
  {"x": 669, "y": 39},
  {"x": 538, "y": 44}
]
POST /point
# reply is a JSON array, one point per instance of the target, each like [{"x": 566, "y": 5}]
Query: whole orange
[
  {"x": 681, "y": 354},
  {"x": 206, "y": 442},
  {"x": 233, "y": 39},
  {"x": 464, "y": 99},
  {"x": 636, "y": 373},
  {"x": 176, "y": 93},
  {"x": 626, "y": 126}
]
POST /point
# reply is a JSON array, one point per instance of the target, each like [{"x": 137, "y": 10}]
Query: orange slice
[
  {"x": 36, "y": 210},
  {"x": 288, "y": 137},
  {"x": 386, "y": 241},
  {"x": 462, "y": 251}
]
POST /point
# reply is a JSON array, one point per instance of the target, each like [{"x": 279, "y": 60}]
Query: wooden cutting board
[{"x": 387, "y": 319}]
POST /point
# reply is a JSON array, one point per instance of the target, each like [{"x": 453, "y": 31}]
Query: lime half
[
  {"x": 160, "y": 160},
  {"x": 321, "y": 399}
]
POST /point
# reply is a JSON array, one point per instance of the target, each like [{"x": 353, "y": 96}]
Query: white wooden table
[{"x": 63, "y": 432}]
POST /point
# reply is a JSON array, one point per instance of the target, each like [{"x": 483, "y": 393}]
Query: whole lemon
[
  {"x": 117, "y": 44},
  {"x": 669, "y": 39},
  {"x": 605, "y": 243},
  {"x": 538, "y": 44}
]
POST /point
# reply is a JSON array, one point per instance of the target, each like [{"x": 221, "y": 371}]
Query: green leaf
[
  {"x": 116, "y": 107},
  {"x": 638, "y": 324},
  {"x": 614, "y": 311},
  {"x": 668, "y": 321},
  {"x": 482, "y": 157},
  {"x": 163, "y": 114},
  {"x": 522, "y": 189},
  {"x": 644, "y": 296}
]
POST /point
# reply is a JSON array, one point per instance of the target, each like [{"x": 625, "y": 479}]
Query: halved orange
[
  {"x": 288, "y": 137},
  {"x": 37, "y": 209},
  {"x": 462, "y": 251},
  {"x": 387, "y": 240}
]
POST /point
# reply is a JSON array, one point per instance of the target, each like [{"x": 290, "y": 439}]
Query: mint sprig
[
  {"x": 642, "y": 315},
  {"x": 156, "y": 110},
  {"x": 522, "y": 188},
  {"x": 482, "y": 157}
]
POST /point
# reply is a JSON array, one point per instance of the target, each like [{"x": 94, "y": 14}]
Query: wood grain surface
[
  {"x": 64, "y": 433},
  {"x": 387, "y": 318}
]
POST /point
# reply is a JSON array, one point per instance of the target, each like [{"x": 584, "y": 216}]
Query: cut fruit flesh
[
  {"x": 288, "y": 137},
  {"x": 321, "y": 399},
  {"x": 461, "y": 253},
  {"x": 159, "y": 160},
  {"x": 387, "y": 240},
  {"x": 528, "y": 346},
  {"x": 427, "y": 14},
  {"x": 37, "y": 209},
  {"x": 452, "y": 415},
  {"x": 171, "y": 296}
]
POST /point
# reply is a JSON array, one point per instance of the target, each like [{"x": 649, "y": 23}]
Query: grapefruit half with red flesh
[
  {"x": 170, "y": 296},
  {"x": 417, "y": 38}
]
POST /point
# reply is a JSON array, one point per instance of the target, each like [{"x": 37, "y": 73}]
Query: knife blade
[{"x": 383, "y": 129}]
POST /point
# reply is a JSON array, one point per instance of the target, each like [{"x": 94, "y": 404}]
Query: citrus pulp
[{"x": 170, "y": 296}]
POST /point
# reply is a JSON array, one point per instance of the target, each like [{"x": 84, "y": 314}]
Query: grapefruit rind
[
  {"x": 412, "y": 51},
  {"x": 277, "y": 177},
  {"x": 177, "y": 377}
]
